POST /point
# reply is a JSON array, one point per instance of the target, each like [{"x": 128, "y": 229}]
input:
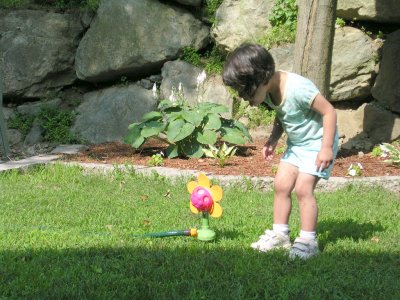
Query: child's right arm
[{"x": 270, "y": 145}]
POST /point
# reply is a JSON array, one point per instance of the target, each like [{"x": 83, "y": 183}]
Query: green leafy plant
[
  {"x": 211, "y": 8},
  {"x": 187, "y": 129},
  {"x": 284, "y": 13},
  {"x": 377, "y": 151},
  {"x": 156, "y": 160},
  {"x": 21, "y": 122},
  {"x": 56, "y": 125},
  {"x": 280, "y": 150},
  {"x": 355, "y": 170},
  {"x": 393, "y": 152},
  {"x": 221, "y": 154},
  {"x": 211, "y": 60},
  {"x": 340, "y": 22},
  {"x": 283, "y": 19},
  {"x": 257, "y": 116}
]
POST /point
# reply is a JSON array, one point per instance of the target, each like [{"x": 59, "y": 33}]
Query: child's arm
[
  {"x": 277, "y": 130},
  {"x": 325, "y": 155}
]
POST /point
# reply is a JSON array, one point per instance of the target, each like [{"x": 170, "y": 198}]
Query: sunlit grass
[{"x": 68, "y": 234}]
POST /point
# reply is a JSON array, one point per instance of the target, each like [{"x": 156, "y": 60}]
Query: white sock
[
  {"x": 281, "y": 228},
  {"x": 311, "y": 235}
]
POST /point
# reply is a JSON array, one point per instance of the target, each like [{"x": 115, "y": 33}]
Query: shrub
[{"x": 187, "y": 129}]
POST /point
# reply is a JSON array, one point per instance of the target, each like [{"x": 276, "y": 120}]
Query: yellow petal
[
  {"x": 191, "y": 186},
  {"x": 216, "y": 193},
  {"x": 204, "y": 181},
  {"x": 193, "y": 209},
  {"x": 216, "y": 210}
]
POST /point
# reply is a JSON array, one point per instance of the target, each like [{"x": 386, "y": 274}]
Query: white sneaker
[
  {"x": 304, "y": 248},
  {"x": 271, "y": 240}
]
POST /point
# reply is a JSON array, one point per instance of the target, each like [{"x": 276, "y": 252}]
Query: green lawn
[{"x": 66, "y": 234}]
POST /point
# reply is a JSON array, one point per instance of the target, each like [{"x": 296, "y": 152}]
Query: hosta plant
[
  {"x": 221, "y": 154},
  {"x": 393, "y": 153},
  {"x": 187, "y": 129}
]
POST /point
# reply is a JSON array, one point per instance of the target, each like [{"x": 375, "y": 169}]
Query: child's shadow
[{"x": 329, "y": 231}]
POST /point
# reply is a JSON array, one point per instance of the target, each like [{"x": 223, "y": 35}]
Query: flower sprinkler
[{"x": 204, "y": 198}]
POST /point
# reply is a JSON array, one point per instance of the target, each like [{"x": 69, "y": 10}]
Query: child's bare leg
[
  {"x": 284, "y": 183},
  {"x": 304, "y": 189}
]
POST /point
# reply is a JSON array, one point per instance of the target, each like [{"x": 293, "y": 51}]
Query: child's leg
[
  {"x": 279, "y": 237},
  {"x": 306, "y": 245},
  {"x": 304, "y": 188},
  {"x": 284, "y": 183}
]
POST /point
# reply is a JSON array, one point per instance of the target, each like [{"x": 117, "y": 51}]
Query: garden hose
[{"x": 189, "y": 232}]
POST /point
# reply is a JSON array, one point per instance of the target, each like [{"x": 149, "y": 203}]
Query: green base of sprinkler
[{"x": 205, "y": 235}]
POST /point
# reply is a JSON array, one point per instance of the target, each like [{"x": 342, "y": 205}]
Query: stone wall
[{"x": 110, "y": 59}]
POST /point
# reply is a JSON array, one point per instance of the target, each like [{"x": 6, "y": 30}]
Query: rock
[
  {"x": 148, "y": 34},
  {"x": 352, "y": 71},
  {"x": 69, "y": 149},
  {"x": 367, "y": 126},
  {"x": 34, "y": 108},
  {"x": 104, "y": 116},
  {"x": 37, "y": 49},
  {"x": 386, "y": 11},
  {"x": 387, "y": 88},
  {"x": 35, "y": 134},
  {"x": 239, "y": 21},
  {"x": 196, "y": 3},
  {"x": 213, "y": 89}
]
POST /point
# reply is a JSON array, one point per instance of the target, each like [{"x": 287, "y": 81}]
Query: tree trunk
[{"x": 314, "y": 41}]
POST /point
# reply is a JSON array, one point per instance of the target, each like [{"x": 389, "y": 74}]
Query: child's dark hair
[{"x": 248, "y": 67}]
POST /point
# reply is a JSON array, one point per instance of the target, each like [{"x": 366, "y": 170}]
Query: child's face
[{"x": 259, "y": 95}]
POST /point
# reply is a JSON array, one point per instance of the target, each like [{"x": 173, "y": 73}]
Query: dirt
[{"x": 247, "y": 161}]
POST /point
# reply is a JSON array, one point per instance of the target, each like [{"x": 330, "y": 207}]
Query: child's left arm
[{"x": 325, "y": 108}]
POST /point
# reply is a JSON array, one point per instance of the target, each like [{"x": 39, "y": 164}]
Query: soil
[{"x": 247, "y": 161}]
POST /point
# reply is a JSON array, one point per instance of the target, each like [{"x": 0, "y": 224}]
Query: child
[{"x": 309, "y": 121}]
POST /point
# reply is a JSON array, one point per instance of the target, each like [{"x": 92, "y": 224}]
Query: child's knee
[{"x": 304, "y": 192}]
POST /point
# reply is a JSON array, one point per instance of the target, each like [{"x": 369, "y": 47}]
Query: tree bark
[{"x": 314, "y": 41}]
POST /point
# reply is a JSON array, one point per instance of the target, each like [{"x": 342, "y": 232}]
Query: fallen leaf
[
  {"x": 375, "y": 239},
  {"x": 144, "y": 197}
]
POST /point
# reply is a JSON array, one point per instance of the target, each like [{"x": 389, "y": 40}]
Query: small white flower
[
  {"x": 172, "y": 97},
  {"x": 155, "y": 91},
  {"x": 385, "y": 151},
  {"x": 360, "y": 166},
  {"x": 352, "y": 172}
]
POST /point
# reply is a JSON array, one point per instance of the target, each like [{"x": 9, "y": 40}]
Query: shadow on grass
[
  {"x": 332, "y": 230},
  {"x": 195, "y": 271}
]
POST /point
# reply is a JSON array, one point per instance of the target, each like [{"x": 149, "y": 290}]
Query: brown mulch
[{"x": 247, "y": 161}]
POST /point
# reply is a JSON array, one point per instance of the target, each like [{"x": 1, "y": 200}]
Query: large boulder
[
  {"x": 37, "y": 49},
  {"x": 352, "y": 71},
  {"x": 387, "y": 85},
  {"x": 190, "y": 2},
  {"x": 387, "y": 11},
  {"x": 239, "y": 21},
  {"x": 353, "y": 64},
  {"x": 135, "y": 38},
  {"x": 105, "y": 115},
  {"x": 179, "y": 72},
  {"x": 367, "y": 126}
]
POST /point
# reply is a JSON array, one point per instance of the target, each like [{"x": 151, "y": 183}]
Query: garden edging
[{"x": 391, "y": 183}]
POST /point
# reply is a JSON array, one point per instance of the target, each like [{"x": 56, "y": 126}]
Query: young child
[{"x": 309, "y": 121}]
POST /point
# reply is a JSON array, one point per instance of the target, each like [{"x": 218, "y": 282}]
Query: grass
[{"x": 67, "y": 234}]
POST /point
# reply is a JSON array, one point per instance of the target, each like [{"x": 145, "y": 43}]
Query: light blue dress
[{"x": 302, "y": 124}]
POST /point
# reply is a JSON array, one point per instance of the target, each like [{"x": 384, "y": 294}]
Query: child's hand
[
  {"x": 324, "y": 158},
  {"x": 268, "y": 150}
]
